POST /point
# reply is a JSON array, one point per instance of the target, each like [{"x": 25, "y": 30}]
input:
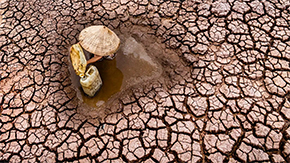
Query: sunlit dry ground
[{"x": 224, "y": 94}]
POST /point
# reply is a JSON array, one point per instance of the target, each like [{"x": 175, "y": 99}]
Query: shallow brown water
[
  {"x": 112, "y": 78},
  {"x": 131, "y": 66}
]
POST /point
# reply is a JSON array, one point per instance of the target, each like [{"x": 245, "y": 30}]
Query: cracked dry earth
[{"x": 223, "y": 96}]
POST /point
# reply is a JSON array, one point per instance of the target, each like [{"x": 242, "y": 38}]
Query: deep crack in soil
[{"x": 222, "y": 94}]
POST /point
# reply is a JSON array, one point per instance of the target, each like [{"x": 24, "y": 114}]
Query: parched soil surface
[{"x": 223, "y": 95}]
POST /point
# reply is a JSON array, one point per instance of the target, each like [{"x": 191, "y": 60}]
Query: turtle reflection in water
[{"x": 100, "y": 41}]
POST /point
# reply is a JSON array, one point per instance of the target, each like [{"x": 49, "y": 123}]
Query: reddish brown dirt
[{"x": 223, "y": 95}]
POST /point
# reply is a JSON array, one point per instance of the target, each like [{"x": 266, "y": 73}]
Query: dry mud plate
[{"x": 222, "y": 93}]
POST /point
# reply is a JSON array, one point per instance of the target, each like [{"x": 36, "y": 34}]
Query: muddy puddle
[{"x": 132, "y": 65}]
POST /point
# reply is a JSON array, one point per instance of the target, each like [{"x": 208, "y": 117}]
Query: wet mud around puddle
[{"x": 133, "y": 65}]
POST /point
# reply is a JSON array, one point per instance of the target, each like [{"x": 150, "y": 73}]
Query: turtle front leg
[{"x": 94, "y": 59}]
